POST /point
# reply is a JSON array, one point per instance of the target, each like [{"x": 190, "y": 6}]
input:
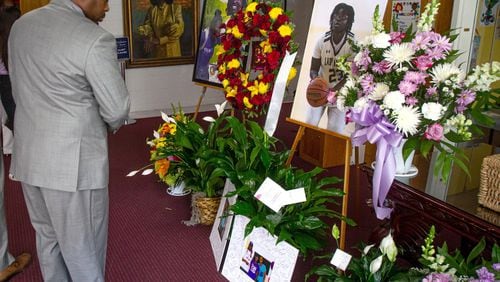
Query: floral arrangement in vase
[
  {"x": 263, "y": 32},
  {"x": 166, "y": 165},
  {"x": 404, "y": 88}
]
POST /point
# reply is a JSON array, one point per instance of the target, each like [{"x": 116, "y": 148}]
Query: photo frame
[
  {"x": 161, "y": 32},
  {"x": 221, "y": 229},
  {"x": 328, "y": 117},
  {"x": 214, "y": 13},
  {"x": 274, "y": 261}
]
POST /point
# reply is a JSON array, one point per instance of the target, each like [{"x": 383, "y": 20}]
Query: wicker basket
[
  {"x": 489, "y": 187},
  {"x": 207, "y": 208}
]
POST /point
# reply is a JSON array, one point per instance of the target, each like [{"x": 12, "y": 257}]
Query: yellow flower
[
  {"x": 254, "y": 89},
  {"x": 285, "y": 30},
  {"x": 244, "y": 79},
  {"x": 292, "y": 74},
  {"x": 266, "y": 46},
  {"x": 222, "y": 69},
  {"x": 225, "y": 83},
  {"x": 263, "y": 87},
  {"x": 275, "y": 12},
  {"x": 219, "y": 49},
  {"x": 173, "y": 128},
  {"x": 263, "y": 32},
  {"x": 231, "y": 92},
  {"x": 233, "y": 64},
  {"x": 247, "y": 103},
  {"x": 236, "y": 32},
  {"x": 161, "y": 167},
  {"x": 251, "y": 7}
]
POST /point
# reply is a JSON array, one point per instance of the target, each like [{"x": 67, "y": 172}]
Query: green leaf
[
  {"x": 476, "y": 251},
  {"x": 243, "y": 208},
  {"x": 409, "y": 147},
  {"x": 425, "y": 147},
  {"x": 335, "y": 232}
]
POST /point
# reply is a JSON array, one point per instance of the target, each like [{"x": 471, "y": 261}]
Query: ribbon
[{"x": 374, "y": 127}]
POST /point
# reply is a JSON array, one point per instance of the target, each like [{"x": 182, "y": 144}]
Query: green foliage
[{"x": 248, "y": 155}]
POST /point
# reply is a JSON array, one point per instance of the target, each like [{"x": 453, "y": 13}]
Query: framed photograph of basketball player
[
  {"x": 332, "y": 25},
  {"x": 214, "y": 13}
]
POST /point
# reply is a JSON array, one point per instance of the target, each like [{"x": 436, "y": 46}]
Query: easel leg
[
  {"x": 295, "y": 143},
  {"x": 197, "y": 110},
  {"x": 345, "y": 199}
]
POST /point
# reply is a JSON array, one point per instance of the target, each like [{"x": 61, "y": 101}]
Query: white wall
[{"x": 156, "y": 88}]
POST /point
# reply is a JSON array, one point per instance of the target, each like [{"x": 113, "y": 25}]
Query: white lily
[
  {"x": 147, "y": 171},
  {"x": 376, "y": 264},
  {"x": 156, "y": 134},
  {"x": 367, "y": 249},
  {"x": 132, "y": 173},
  {"x": 168, "y": 119},
  {"x": 209, "y": 119},
  {"x": 388, "y": 247},
  {"x": 220, "y": 108}
]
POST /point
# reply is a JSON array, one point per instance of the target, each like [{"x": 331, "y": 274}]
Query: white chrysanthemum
[
  {"x": 399, "y": 54},
  {"x": 360, "y": 104},
  {"x": 394, "y": 100},
  {"x": 442, "y": 72},
  {"x": 432, "y": 111},
  {"x": 341, "y": 102},
  {"x": 350, "y": 83},
  {"x": 407, "y": 120},
  {"x": 379, "y": 91},
  {"x": 381, "y": 40}
]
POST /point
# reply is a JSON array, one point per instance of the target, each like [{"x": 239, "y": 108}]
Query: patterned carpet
[{"x": 147, "y": 240}]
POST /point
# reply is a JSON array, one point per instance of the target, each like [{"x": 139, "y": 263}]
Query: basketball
[{"x": 317, "y": 91}]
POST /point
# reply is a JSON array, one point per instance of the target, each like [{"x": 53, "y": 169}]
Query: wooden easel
[
  {"x": 202, "y": 95},
  {"x": 347, "y": 157}
]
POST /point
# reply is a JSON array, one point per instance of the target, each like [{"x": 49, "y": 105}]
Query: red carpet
[{"x": 147, "y": 240}]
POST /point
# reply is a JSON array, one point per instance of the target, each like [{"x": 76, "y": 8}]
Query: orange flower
[
  {"x": 165, "y": 129},
  {"x": 161, "y": 167}
]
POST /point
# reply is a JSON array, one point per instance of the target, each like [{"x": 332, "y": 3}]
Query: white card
[
  {"x": 293, "y": 196},
  {"x": 341, "y": 259},
  {"x": 270, "y": 193}
]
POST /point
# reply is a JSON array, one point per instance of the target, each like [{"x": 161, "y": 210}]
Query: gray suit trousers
[
  {"x": 71, "y": 232},
  {"x": 5, "y": 257}
]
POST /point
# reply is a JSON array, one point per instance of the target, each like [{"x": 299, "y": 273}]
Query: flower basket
[{"x": 207, "y": 208}]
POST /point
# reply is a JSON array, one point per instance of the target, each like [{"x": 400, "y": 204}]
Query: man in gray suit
[{"x": 69, "y": 93}]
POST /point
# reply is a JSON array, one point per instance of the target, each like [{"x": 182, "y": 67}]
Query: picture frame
[
  {"x": 161, "y": 32},
  {"x": 221, "y": 229},
  {"x": 278, "y": 260},
  {"x": 214, "y": 13},
  {"x": 329, "y": 117}
]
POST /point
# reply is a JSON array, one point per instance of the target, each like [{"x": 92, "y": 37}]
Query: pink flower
[
  {"x": 367, "y": 83},
  {"x": 332, "y": 97},
  {"x": 407, "y": 88},
  {"x": 421, "y": 41},
  {"x": 435, "y": 53},
  {"x": 381, "y": 67},
  {"x": 434, "y": 132},
  {"x": 410, "y": 100},
  {"x": 415, "y": 77},
  {"x": 397, "y": 37},
  {"x": 423, "y": 62},
  {"x": 431, "y": 91}
]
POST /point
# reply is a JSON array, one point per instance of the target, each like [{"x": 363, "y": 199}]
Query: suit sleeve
[{"x": 109, "y": 88}]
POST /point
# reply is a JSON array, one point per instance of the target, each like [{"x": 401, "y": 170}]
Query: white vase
[
  {"x": 178, "y": 190},
  {"x": 403, "y": 167}
]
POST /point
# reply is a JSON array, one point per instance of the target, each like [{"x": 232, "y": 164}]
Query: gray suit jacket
[{"x": 69, "y": 92}]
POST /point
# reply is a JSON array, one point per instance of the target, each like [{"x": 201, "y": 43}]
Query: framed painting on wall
[
  {"x": 161, "y": 32},
  {"x": 214, "y": 13}
]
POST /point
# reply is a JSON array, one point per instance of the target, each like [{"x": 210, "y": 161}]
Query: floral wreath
[{"x": 274, "y": 29}]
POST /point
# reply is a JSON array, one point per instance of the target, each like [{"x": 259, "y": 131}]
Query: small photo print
[
  {"x": 223, "y": 219},
  {"x": 256, "y": 266}
]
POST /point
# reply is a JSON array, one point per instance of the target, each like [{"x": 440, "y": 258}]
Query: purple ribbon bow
[{"x": 375, "y": 128}]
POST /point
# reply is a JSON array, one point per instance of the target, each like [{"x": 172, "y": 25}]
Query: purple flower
[
  {"x": 496, "y": 266},
  {"x": 354, "y": 69},
  {"x": 431, "y": 91},
  {"x": 364, "y": 60},
  {"x": 466, "y": 97},
  {"x": 381, "y": 67},
  {"x": 410, "y": 100},
  {"x": 441, "y": 42},
  {"x": 367, "y": 83},
  {"x": 459, "y": 109},
  {"x": 421, "y": 41},
  {"x": 415, "y": 77},
  {"x": 423, "y": 62},
  {"x": 406, "y": 87},
  {"x": 435, "y": 53},
  {"x": 332, "y": 97},
  {"x": 484, "y": 275},
  {"x": 434, "y": 132},
  {"x": 437, "y": 277},
  {"x": 396, "y": 37}
]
